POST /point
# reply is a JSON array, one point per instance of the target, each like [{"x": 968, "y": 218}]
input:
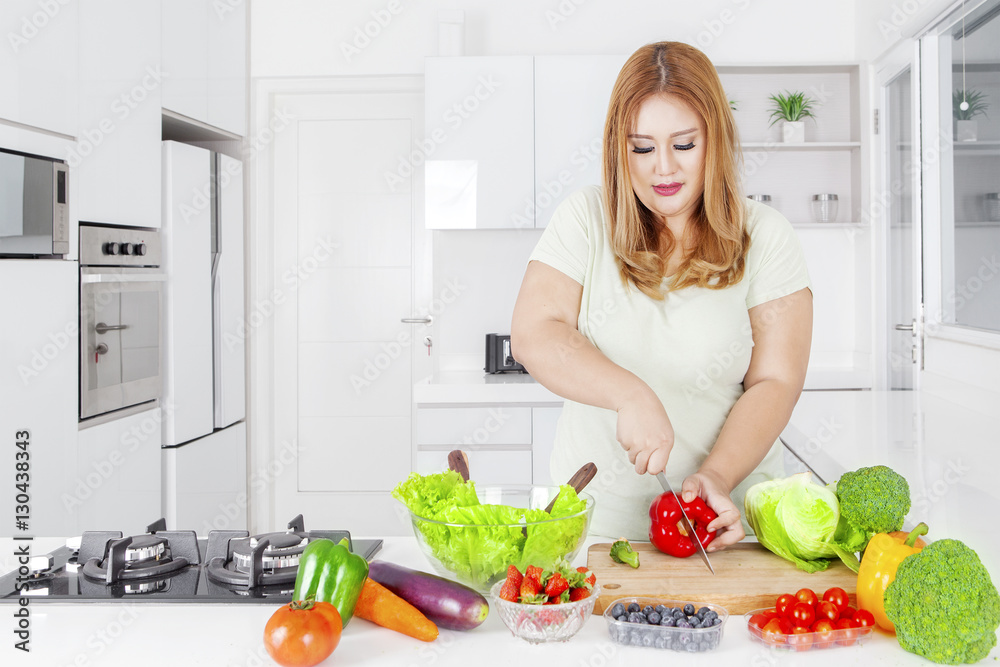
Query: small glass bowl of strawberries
[{"x": 545, "y": 605}]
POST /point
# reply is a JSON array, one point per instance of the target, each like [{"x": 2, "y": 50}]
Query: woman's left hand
[{"x": 714, "y": 493}]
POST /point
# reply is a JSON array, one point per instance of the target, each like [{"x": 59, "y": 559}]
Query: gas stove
[{"x": 173, "y": 566}]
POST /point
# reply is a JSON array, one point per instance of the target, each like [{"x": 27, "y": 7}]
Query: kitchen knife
[{"x": 686, "y": 522}]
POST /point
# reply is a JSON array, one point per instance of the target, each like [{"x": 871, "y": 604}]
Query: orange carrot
[{"x": 383, "y": 607}]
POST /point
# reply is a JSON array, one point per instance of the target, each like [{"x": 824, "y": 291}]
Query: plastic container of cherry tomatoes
[{"x": 807, "y": 641}]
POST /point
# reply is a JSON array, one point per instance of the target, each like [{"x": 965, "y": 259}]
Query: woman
[{"x": 674, "y": 315}]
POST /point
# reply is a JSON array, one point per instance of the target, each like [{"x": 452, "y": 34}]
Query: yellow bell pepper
[{"x": 883, "y": 555}]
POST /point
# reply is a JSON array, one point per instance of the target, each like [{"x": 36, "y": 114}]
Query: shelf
[{"x": 804, "y": 146}]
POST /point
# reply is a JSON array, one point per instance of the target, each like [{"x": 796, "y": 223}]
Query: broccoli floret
[
  {"x": 874, "y": 500},
  {"x": 621, "y": 552},
  {"x": 944, "y": 605}
]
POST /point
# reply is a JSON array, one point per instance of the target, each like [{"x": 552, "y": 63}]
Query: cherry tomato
[
  {"x": 848, "y": 612},
  {"x": 837, "y": 596},
  {"x": 864, "y": 618},
  {"x": 759, "y": 620},
  {"x": 776, "y": 631},
  {"x": 847, "y": 632},
  {"x": 801, "y": 639},
  {"x": 827, "y": 610},
  {"x": 824, "y": 630},
  {"x": 302, "y": 634},
  {"x": 802, "y": 615},
  {"x": 808, "y": 596},
  {"x": 784, "y": 604}
]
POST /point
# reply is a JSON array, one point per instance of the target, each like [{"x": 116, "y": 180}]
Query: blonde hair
[{"x": 718, "y": 258}]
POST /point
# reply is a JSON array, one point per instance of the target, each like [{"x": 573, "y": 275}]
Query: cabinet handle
[
  {"x": 903, "y": 327},
  {"x": 417, "y": 320}
]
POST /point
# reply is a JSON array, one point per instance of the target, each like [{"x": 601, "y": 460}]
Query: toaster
[{"x": 498, "y": 356}]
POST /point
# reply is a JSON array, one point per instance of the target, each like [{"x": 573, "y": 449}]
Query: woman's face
[{"x": 666, "y": 159}]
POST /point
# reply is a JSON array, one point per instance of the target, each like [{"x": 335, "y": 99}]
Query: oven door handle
[
  {"x": 101, "y": 327},
  {"x": 87, "y": 278}
]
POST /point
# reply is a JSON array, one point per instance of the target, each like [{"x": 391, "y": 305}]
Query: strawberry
[
  {"x": 578, "y": 594},
  {"x": 512, "y": 587},
  {"x": 556, "y": 585},
  {"x": 531, "y": 591},
  {"x": 534, "y": 572},
  {"x": 591, "y": 578}
]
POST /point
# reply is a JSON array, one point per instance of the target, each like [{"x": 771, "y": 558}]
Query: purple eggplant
[{"x": 448, "y": 603}]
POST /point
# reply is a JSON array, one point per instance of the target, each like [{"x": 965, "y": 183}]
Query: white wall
[{"x": 878, "y": 24}]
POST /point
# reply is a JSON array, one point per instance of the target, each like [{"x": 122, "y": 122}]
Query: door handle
[
  {"x": 417, "y": 320},
  {"x": 903, "y": 327},
  {"x": 101, "y": 327}
]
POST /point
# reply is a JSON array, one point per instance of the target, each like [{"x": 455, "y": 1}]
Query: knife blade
[{"x": 686, "y": 523}]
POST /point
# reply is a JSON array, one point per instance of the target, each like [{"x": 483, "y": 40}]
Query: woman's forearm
[
  {"x": 751, "y": 428},
  {"x": 566, "y": 363}
]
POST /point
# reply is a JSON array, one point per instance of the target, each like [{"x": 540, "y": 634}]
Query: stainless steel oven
[{"x": 121, "y": 314}]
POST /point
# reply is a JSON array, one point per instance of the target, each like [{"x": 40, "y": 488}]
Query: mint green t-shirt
[{"x": 692, "y": 348}]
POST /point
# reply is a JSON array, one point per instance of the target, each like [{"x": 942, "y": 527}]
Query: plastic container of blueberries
[
  {"x": 808, "y": 640},
  {"x": 685, "y": 640}
]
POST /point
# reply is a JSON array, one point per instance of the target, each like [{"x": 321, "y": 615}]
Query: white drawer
[
  {"x": 486, "y": 467},
  {"x": 472, "y": 427}
]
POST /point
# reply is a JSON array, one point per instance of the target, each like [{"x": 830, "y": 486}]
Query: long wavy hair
[{"x": 639, "y": 240}]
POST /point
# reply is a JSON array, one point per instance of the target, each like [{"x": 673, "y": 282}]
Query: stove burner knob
[
  {"x": 126, "y": 248},
  {"x": 39, "y": 564},
  {"x": 111, "y": 248},
  {"x": 73, "y": 543},
  {"x": 140, "y": 249}
]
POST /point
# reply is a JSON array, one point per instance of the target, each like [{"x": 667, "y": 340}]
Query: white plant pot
[
  {"x": 793, "y": 131},
  {"x": 965, "y": 130}
]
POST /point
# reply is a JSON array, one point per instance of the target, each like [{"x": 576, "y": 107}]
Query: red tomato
[
  {"x": 302, "y": 634},
  {"x": 847, "y": 632},
  {"x": 848, "y": 612},
  {"x": 776, "y": 631},
  {"x": 784, "y": 604},
  {"x": 802, "y": 615},
  {"x": 808, "y": 596},
  {"x": 827, "y": 610},
  {"x": 824, "y": 630},
  {"x": 759, "y": 620},
  {"x": 837, "y": 596},
  {"x": 863, "y": 618},
  {"x": 801, "y": 639}
]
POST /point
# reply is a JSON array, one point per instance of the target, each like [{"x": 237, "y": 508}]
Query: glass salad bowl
[
  {"x": 477, "y": 551},
  {"x": 539, "y": 623}
]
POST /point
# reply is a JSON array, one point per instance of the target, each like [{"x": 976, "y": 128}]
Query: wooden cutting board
[{"x": 747, "y": 576}]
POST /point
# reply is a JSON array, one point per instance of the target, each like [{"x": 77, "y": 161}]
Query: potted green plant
[
  {"x": 793, "y": 109},
  {"x": 967, "y": 104}
]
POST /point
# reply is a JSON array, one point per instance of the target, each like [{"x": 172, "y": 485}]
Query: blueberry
[
  {"x": 647, "y": 639},
  {"x": 695, "y": 622},
  {"x": 703, "y": 610},
  {"x": 618, "y": 610},
  {"x": 647, "y": 610},
  {"x": 660, "y": 642},
  {"x": 633, "y": 607},
  {"x": 684, "y": 639},
  {"x": 653, "y": 618},
  {"x": 667, "y": 621},
  {"x": 683, "y": 623},
  {"x": 711, "y": 615},
  {"x": 622, "y": 617},
  {"x": 659, "y": 609},
  {"x": 677, "y": 612},
  {"x": 689, "y": 609}
]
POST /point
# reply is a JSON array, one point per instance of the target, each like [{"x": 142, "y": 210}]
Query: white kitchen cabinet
[
  {"x": 494, "y": 467},
  {"x": 117, "y": 485},
  {"x": 571, "y": 104},
  {"x": 39, "y": 394},
  {"x": 478, "y": 143},
  {"x": 229, "y": 328},
  {"x": 205, "y": 482},
  {"x": 474, "y": 427},
  {"x": 115, "y": 165},
  {"x": 38, "y": 64},
  {"x": 204, "y": 51},
  {"x": 543, "y": 436}
]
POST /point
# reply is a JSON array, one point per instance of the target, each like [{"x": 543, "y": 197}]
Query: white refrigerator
[{"x": 204, "y": 434}]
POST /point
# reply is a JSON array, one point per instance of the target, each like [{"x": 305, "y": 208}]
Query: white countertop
[
  {"x": 922, "y": 438},
  {"x": 462, "y": 389}
]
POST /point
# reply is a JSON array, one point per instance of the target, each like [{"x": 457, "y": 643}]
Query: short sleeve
[
  {"x": 565, "y": 244},
  {"x": 776, "y": 265}
]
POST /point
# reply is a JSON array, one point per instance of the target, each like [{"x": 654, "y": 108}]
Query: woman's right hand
[{"x": 645, "y": 432}]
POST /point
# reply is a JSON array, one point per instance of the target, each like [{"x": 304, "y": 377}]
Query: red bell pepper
[{"x": 666, "y": 530}]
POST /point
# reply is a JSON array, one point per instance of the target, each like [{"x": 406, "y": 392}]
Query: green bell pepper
[{"x": 329, "y": 572}]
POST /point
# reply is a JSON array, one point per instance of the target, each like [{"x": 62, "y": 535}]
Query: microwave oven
[{"x": 34, "y": 208}]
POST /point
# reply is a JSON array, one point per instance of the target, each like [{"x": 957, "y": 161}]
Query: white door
[
  {"x": 350, "y": 261},
  {"x": 897, "y": 213}
]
